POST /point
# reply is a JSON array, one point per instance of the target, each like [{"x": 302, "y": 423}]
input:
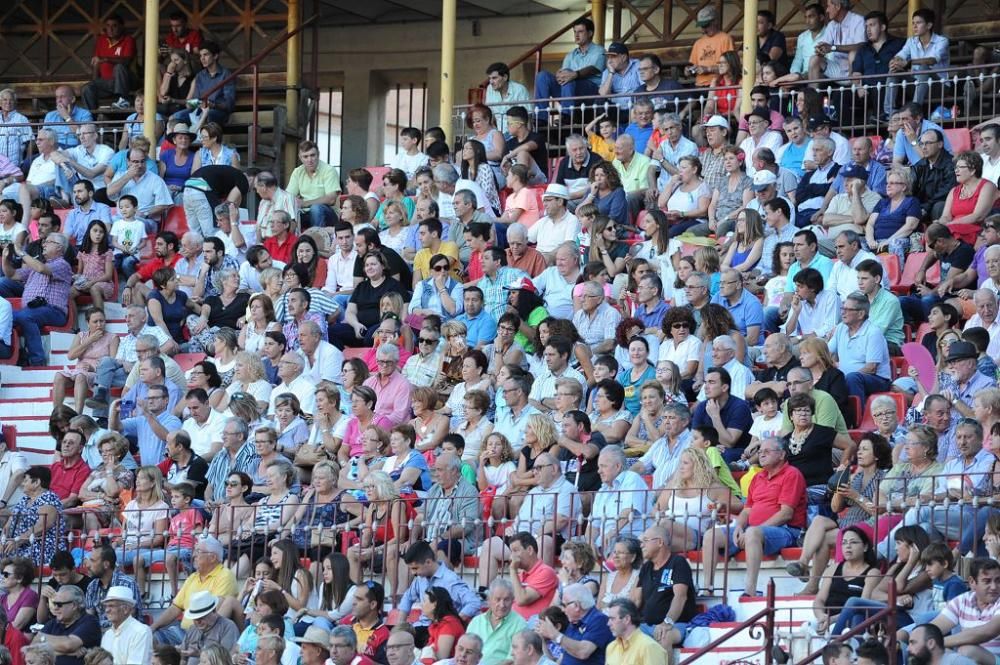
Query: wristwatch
[
  {"x": 559, "y": 638},
  {"x": 833, "y": 47}
]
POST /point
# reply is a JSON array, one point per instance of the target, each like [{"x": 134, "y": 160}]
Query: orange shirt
[{"x": 706, "y": 53}]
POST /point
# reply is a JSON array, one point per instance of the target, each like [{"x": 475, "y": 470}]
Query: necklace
[{"x": 797, "y": 440}]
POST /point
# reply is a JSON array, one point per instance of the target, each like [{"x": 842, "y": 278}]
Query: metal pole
[
  {"x": 597, "y": 12},
  {"x": 448, "y": 20},
  {"x": 151, "y": 69},
  {"x": 912, "y": 6},
  {"x": 749, "y": 53},
  {"x": 293, "y": 81}
]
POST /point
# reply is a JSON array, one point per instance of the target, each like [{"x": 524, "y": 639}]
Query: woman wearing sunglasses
[{"x": 439, "y": 294}]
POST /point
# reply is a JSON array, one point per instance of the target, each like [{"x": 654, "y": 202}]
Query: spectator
[
  {"x": 44, "y": 180},
  {"x": 759, "y": 132},
  {"x": 217, "y": 107},
  {"x": 624, "y": 621},
  {"x": 127, "y": 639},
  {"x": 102, "y": 565},
  {"x": 908, "y": 147},
  {"x": 502, "y": 93},
  {"x": 558, "y": 225},
  {"x": 894, "y": 218},
  {"x": 925, "y": 51},
  {"x": 779, "y": 361},
  {"x": 63, "y": 119},
  {"x": 343, "y": 648},
  {"x": 927, "y": 645},
  {"x": 182, "y": 36},
  {"x": 555, "y": 283},
  {"x": 71, "y": 630},
  {"x": 728, "y": 413},
  {"x": 175, "y": 84},
  {"x": 955, "y": 257},
  {"x": 149, "y": 189},
  {"x": 706, "y": 49},
  {"x": 813, "y": 309},
  {"x": 70, "y": 470},
  {"x": 971, "y": 200},
  {"x": 843, "y": 36},
  {"x": 621, "y": 505},
  {"x": 451, "y": 510},
  {"x": 497, "y": 626},
  {"x": 846, "y": 212},
  {"x": 525, "y": 147},
  {"x": 722, "y": 353},
  {"x": 989, "y": 140},
  {"x": 208, "y": 627},
  {"x": 427, "y": 572},
  {"x": 665, "y": 607},
  {"x": 861, "y": 349},
  {"x": 534, "y": 582},
  {"x": 875, "y": 57},
  {"x": 209, "y": 187},
  {"x": 85, "y": 211},
  {"x": 622, "y": 76},
  {"x": 773, "y": 517},
  {"x": 112, "y": 65},
  {"x": 985, "y": 317},
  {"x": 85, "y": 161},
  {"x": 213, "y": 151},
  {"x": 581, "y": 71},
  {"x": 650, "y": 68},
  {"x": 14, "y": 127},
  {"x": 637, "y": 173}
]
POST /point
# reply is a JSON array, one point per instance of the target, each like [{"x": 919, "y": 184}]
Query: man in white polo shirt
[{"x": 558, "y": 225}]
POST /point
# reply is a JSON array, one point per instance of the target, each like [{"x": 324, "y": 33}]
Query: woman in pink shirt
[{"x": 522, "y": 205}]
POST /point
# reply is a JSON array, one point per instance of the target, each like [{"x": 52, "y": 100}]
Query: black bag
[{"x": 839, "y": 479}]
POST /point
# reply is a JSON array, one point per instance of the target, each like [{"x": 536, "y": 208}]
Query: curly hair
[
  {"x": 507, "y": 453},
  {"x": 703, "y": 475},
  {"x": 622, "y": 338},
  {"x": 678, "y": 315},
  {"x": 716, "y": 321}
]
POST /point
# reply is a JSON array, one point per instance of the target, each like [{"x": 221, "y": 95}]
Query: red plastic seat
[
  {"x": 188, "y": 360},
  {"x": 960, "y": 139},
  {"x": 16, "y": 304},
  {"x": 10, "y": 436},
  {"x": 893, "y": 271},
  {"x": 910, "y": 270},
  {"x": 554, "y": 167},
  {"x": 378, "y": 172},
  {"x": 853, "y": 415},
  {"x": 176, "y": 221},
  {"x": 899, "y": 366}
]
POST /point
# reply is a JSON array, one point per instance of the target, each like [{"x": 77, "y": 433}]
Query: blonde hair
[
  {"x": 253, "y": 363},
  {"x": 403, "y": 215},
  {"x": 507, "y": 453},
  {"x": 329, "y": 466},
  {"x": 453, "y": 327},
  {"x": 383, "y": 486},
  {"x": 156, "y": 477},
  {"x": 703, "y": 475},
  {"x": 709, "y": 259},
  {"x": 267, "y": 274},
  {"x": 818, "y": 347},
  {"x": 120, "y": 443},
  {"x": 396, "y": 299},
  {"x": 990, "y": 399},
  {"x": 545, "y": 429}
]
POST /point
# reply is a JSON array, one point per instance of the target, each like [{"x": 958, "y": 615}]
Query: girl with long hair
[
  {"x": 95, "y": 267},
  {"x": 745, "y": 251}
]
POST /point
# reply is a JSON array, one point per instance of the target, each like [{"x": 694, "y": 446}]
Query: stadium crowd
[{"x": 575, "y": 380}]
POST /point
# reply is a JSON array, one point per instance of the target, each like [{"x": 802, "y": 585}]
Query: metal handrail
[
  {"x": 888, "y": 613},
  {"x": 767, "y": 614}
]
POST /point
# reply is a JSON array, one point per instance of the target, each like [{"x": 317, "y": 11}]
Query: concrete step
[
  {"x": 727, "y": 654},
  {"x": 743, "y": 638},
  {"x": 20, "y": 391}
]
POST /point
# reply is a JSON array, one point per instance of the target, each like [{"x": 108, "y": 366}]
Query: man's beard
[{"x": 922, "y": 658}]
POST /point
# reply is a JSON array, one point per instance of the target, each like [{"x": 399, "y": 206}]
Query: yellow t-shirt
[
  {"x": 220, "y": 582},
  {"x": 605, "y": 149},
  {"x": 747, "y": 477},
  {"x": 422, "y": 261}
]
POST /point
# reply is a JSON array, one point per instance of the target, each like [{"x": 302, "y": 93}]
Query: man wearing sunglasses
[{"x": 71, "y": 631}]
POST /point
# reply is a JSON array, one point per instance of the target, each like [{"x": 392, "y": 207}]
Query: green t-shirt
[
  {"x": 722, "y": 470},
  {"x": 827, "y": 413},
  {"x": 469, "y": 473},
  {"x": 536, "y": 317}
]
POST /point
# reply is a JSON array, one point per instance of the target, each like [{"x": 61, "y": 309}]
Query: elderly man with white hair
[
  {"x": 991, "y": 258},
  {"x": 556, "y": 283},
  {"x": 391, "y": 388},
  {"x": 623, "y": 504},
  {"x": 44, "y": 177},
  {"x": 724, "y": 355},
  {"x": 468, "y": 651},
  {"x": 637, "y": 171},
  {"x": 497, "y": 626},
  {"x": 860, "y": 349},
  {"x": 522, "y": 257},
  {"x": 445, "y": 178},
  {"x": 596, "y": 320},
  {"x": 558, "y": 225},
  {"x": 815, "y": 183},
  {"x": 291, "y": 370},
  {"x": 986, "y": 317},
  {"x": 588, "y": 632},
  {"x": 188, "y": 267},
  {"x": 323, "y": 361},
  {"x": 574, "y": 171}
]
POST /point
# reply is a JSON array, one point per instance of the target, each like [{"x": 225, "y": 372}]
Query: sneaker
[
  {"x": 99, "y": 400},
  {"x": 121, "y": 104},
  {"x": 59, "y": 203},
  {"x": 796, "y": 569}
]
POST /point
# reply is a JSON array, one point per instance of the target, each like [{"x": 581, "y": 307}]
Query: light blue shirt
[
  {"x": 748, "y": 310},
  {"x": 150, "y": 191},
  {"x": 465, "y": 600},
  {"x": 626, "y": 81},
  {"x": 512, "y": 426},
  {"x": 876, "y": 177},
  {"x": 556, "y": 292},
  {"x": 481, "y": 330},
  {"x": 77, "y": 220},
  {"x": 671, "y": 154},
  {"x": 594, "y": 57},
  {"x": 819, "y": 262},
  {"x": 866, "y": 345},
  {"x": 975, "y": 475},
  {"x": 6, "y": 321},
  {"x": 791, "y": 155},
  {"x": 936, "y": 48},
  {"x": 805, "y": 48},
  {"x": 426, "y": 296},
  {"x": 903, "y": 148},
  {"x": 151, "y": 447},
  {"x": 662, "y": 460},
  {"x": 626, "y": 492},
  {"x": 65, "y": 133}
]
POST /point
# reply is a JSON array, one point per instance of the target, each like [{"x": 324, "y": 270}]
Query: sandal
[{"x": 796, "y": 569}]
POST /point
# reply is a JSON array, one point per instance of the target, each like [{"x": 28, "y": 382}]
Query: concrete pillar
[
  {"x": 914, "y": 5},
  {"x": 749, "y": 53},
  {"x": 597, "y": 13},
  {"x": 292, "y": 82},
  {"x": 151, "y": 69}
]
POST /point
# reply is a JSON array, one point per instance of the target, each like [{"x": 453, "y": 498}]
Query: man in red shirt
[
  {"x": 70, "y": 471},
  {"x": 165, "y": 255},
  {"x": 114, "y": 57},
  {"x": 181, "y": 36},
  {"x": 371, "y": 632},
  {"x": 772, "y": 519},
  {"x": 534, "y": 582},
  {"x": 279, "y": 245}
]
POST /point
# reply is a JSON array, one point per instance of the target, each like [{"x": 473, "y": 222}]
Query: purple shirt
[
  {"x": 53, "y": 288},
  {"x": 291, "y": 330},
  {"x": 393, "y": 398}
]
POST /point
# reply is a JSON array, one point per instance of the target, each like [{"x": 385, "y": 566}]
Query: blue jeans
[
  {"x": 172, "y": 634},
  {"x": 318, "y": 215},
  {"x": 857, "y": 609},
  {"x": 30, "y": 320},
  {"x": 126, "y": 264},
  {"x": 973, "y": 531},
  {"x": 916, "y": 308},
  {"x": 863, "y": 385},
  {"x": 547, "y": 86},
  {"x": 110, "y": 373},
  {"x": 776, "y": 538},
  {"x": 214, "y": 115},
  {"x": 11, "y": 288},
  {"x": 5, "y": 351},
  {"x": 681, "y": 627},
  {"x": 772, "y": 319}
]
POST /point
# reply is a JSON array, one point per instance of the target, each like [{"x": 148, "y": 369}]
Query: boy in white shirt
[
  {"x": 409, "y": 159},
  {"x": 128, "y": 235}
]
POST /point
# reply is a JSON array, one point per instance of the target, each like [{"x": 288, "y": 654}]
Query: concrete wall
[{"x": 367, "y": 61}]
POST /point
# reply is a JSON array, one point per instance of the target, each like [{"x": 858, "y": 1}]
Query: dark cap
[
  {"x": 618, "y": 48},
  {"x": 817, "y": 121},
  {"x": 855, "y": 171},
  {"x": 760, "y": 113},
  {"x": 961, "y": 351}
]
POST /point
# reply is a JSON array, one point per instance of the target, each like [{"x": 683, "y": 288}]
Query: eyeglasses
[
  {"x": 233, "y": 483},
  {"x": 385, "y": 362},
  {"x": 61, "y": 603},
  {"x": 883, "y": 414},
  {"x": 7, "y": 573},
  {"x": 678, "y": 326},
  {"x": 426, "y": 340},
  {"x": 693, "y": 286},
  {"x": 439, "y": 268},
  {"x": 542, "y": 466}
]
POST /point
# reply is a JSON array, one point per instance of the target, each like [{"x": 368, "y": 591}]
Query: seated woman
[
  {"x": 854, "y": 577},
  {"x": 307, "y": 254},
  {"x": 430, "y": 424},
  {"x": 606, "y": 192},
  {"x": 87, "y": 349},
  {"x": 383, "y": 520},
  {"x": 290, "y": 424},
  {"x": 362, "y": 315},
  {"x": 809, "y": 448},
  {"x": 19, "y": 601},
  {"x": 650, "y": 423},
  {"x": 336, "y": 596},
  {"x": 618, "y": 583},
  {"x": 273, "y": 514},
  {"x": 102, "y": 489},
  {"x": 914, "y": 594},
  {"x": 636, "y": 373},
  {"x": 234, "y": 516},
  {"x": 895, "y": 217},
  {"x": 374, "y": 446},
  {"x": 146, "y": 519},
  {"x": 290, "y": 578},
  {"x": 36, "y": 525},
  {"x": 608, "y": 416},
  {"x": 223, "y": 310},
  {"x": 689, "y": 498},
  {"x": 168, "y": 306},
  {"x": 406, "y": 467},
  {"x": 744, "y": 253},
  {"x": 521, "y": 205},
  {"x": 874, "y": 459},
  {"x": 815, "y": 356},
  {"x": 686, "y": 197},
  {"x": 971, "y": 200},
  {"x": 363, "y": 401},
  {"x": 439, "y": 294},
  {"x": 576, "y": 562},
  {"x": 446, "y": 625}
]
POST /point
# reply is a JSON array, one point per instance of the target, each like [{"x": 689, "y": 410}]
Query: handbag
[
  {"x": 323, "y": 537},
  {"x": 839, "y": 479}
]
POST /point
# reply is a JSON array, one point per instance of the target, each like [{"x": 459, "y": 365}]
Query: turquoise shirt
[
  {"x": 496, "y": 641},
  {"x": 822, "y": 263}
]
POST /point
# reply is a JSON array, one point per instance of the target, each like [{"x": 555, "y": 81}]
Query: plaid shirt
[
  {"x": 494, "y": 296},
  {"x": 96, "y": 594},
  {"x": 213, "y": 280},
  {"x": 12, "y": 139},
  {"x": 53, "y": 288}
]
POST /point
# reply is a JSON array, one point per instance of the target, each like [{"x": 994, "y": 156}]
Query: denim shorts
[
  {"x": 776, "y": 538},
  {"x": 681, "y": 627},
  {"x": 184, "y": 556}
]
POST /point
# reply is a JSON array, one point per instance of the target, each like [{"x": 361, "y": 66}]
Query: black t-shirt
[
  {"x": 195, "y": 472},
  {"x": 769, "y": 373},
  {"x": 539, "y": 154},
  {"x": 815, "y": 459},
  {"x": 397, "y": 266},
  {"x": 222, "y": 179},
  {"x": 81, "y": 585},
  {"x": 657, "y": 587},
  {"x": 959, "y": 259},
  {"x": 366, "y": 299},
  {"x": 86, "y": 628}
]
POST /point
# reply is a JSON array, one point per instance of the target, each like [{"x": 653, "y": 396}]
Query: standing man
[
  {"x": 315, "y": 185},
  {"x": 773, "y": 517},
  {"x": 111, "y": 66},
  {"x": 502, "y": 93}
]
